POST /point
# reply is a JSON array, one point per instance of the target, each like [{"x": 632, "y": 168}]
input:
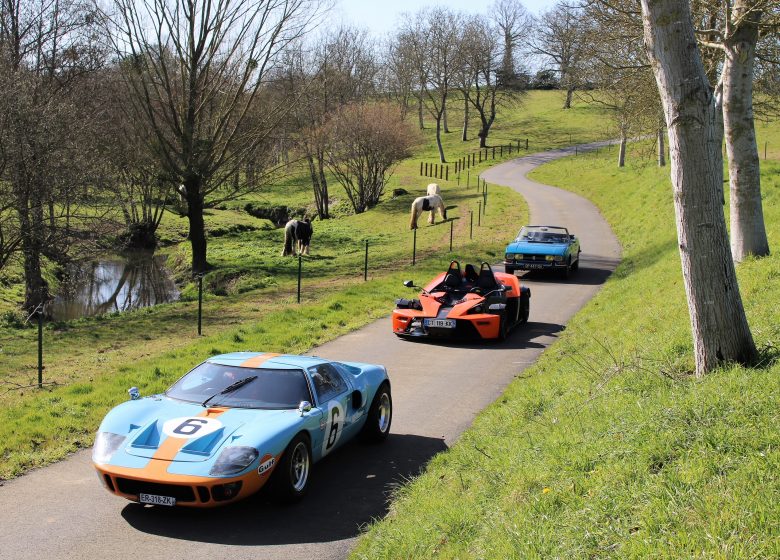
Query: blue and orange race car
[
  {"x": 238, "y": 422},
  {"x": 464, "y": 305}
]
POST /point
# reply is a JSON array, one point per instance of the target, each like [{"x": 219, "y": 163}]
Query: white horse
[
  {"x": 430, "y": 203},
  {"x": 433, "y": 188}
]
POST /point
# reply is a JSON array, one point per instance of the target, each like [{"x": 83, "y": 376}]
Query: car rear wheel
[
  {"x": 290, "y": 479},
  {"x": 525, "y": 307},
  {"x": 380, "y": 415}
]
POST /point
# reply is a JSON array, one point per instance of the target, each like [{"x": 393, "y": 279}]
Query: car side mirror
[
  {"x": 303, "y": 407},
  {"x": 134, "y": 393},
  {"x": 409, "y": 283},
  {"x": 357, "y": 399}
]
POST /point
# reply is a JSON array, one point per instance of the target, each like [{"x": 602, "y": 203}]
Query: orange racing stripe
[{"x": 257, "y": 361}]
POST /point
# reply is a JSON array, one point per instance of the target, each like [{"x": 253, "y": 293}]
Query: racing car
[
  {"x": 543, "y": 248},
  {"x": 464, "y": 304},
  {"x": 236, "y": 423}
]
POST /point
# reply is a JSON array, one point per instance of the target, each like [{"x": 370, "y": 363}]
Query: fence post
[
  {"x": 765, "y": 146},
  {"x": 40, "y": 348},
  {"x": 365, "y": 265},
  {"x": 510, "y": 149},
  {"x": 300, "y": 265},
  {"x": 458, "y": 178},
  {"x": 200, "y": 304},
  {"x": 447, "y": 177},
  {"x": 451, "y": 225},
  {"x": 501, "y": 150},
  {"x": 471, "y": 224},
  {"x": 480, "y": 156},
  {"x": 421, "y": 168},
  {"x": 484, "y": 200},
  {"x": 479, "y": 212},
  {"x": 468, "y": 178},
  {"x": 518, "y": 145},
  {"x": 414, "y": 247},
  {"x": 494, "y": 152},
  {"x": 526, "y": 144}
]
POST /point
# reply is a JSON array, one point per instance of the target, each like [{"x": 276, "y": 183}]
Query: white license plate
[
  {"x": 157, "y": 500},
  {"x": 441, "y": 323},
  {"x": 534, "y": 266}
]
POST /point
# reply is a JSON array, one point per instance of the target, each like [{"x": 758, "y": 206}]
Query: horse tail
[
  {"x": 288, "y": 239},
  {"x": 433, "y": 188}
]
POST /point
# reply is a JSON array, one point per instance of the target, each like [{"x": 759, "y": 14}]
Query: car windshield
[
  {"x": 272, "y": 388},
  {"x": 543, "y": 234}
]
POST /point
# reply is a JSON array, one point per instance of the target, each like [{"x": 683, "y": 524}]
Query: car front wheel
[{"x": 290, "y": 479}]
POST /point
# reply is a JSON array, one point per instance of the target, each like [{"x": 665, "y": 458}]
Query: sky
[{"x": 380, "y": 16}]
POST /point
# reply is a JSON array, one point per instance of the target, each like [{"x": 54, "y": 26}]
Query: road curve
[{"x": 62, "y": 512}]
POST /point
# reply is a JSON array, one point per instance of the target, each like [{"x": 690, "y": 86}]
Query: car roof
[{"x": 271, "y": 360}]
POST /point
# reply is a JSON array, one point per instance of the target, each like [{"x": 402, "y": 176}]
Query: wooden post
[
  {"x": 451, "y": 226},
  {"x": 40, "y": 347},
  {"x": 447, "y": 175},
  {"x": 480, "y": 156},
  {"x": 300, "y": 265},
  {"x": 494, "y": 152},
  {"x": 200, "y": 304},
  {"x": 471, "y": 224},
  {"x": 479, "y": 212},
  {"x": 501, "y": 150},
  {"x": 526, "y": 144},
  {"x": 414, "y": 247},
  {"x": 365, "y": 265},
  {"x": 421, "y": 168}
]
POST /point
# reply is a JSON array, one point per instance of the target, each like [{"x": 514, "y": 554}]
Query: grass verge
[{"x": 608, "y": 447}]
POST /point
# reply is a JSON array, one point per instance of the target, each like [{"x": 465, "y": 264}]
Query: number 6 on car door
[{"x": 333, "y": 426}]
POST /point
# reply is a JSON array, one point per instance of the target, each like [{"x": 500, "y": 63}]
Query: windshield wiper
[{"x": 232, "y": 387}]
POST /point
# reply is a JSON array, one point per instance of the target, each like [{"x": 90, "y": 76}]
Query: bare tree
[
  {"x": 367, "y": 141},
  {"x": 432, "y": 36},
  {"x": 478, "y": 74},
  {"x": 514, "y": 24},
  {"x": 720, "y": 330},
  {"x": 559, "y": 37},
  {"x": 46, "y": 51},
  {"x": 196, "y": 70},
  {"x": 734, "y": 30}
]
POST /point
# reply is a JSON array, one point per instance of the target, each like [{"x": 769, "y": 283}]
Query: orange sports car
[{"x": 463, "y": 305}]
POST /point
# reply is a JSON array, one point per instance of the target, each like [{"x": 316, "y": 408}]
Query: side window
[{"x": 328, "y": 382}]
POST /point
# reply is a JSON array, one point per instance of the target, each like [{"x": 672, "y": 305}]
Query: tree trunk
[
  {"x": 465, "y": 135},
  {"x": 197, "y": 231},
  {"x": 661, "y": 148},
  {"x": 622, "y": 150},
  {"x": 438, "y": 139},
  {"x": 36, "y": 289},
  {"x": 748, "y": 233},
  {"x": 420, "y": 112},
  {"x": 444, "y": 118},
  {"x": 720, "y": 330},
  {"x": 569, "y": 95},
  {"x": 323, "y": 187}
]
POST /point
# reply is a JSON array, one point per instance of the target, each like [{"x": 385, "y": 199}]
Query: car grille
[{"x": 135, "y": 487}]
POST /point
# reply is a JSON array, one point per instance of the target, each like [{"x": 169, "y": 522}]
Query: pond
[{"x": 113, "y": 284}]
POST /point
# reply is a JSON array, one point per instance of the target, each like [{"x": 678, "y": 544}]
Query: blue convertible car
[
  {"x": 543, "y": 248},
  {"x": 237, "y": 422}
]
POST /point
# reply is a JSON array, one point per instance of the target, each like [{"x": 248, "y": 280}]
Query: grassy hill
[{"x": 608, "y": 447}]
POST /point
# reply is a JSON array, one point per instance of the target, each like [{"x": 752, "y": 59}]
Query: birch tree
[{"x": 720, "y": 330}]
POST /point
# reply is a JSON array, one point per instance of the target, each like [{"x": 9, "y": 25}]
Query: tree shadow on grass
[{"x": 348, "y": 490}]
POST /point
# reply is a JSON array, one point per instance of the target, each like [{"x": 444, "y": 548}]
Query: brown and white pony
[
  {"x": 433, "y": 188},
  {"x": 297, "y": 237}
]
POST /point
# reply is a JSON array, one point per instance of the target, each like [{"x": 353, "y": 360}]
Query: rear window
[{"x": 272, "y": 388}]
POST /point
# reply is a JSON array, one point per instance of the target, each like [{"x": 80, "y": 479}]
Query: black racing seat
[
  {"x": 486, "y": 280},
  {"x": 470, "y": 274},
  {"x": 452, "y": 281}
]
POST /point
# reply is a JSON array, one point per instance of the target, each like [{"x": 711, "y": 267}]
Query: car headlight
[
  {"x": 105, "y": 446},
  {"x": 558, "y": 258},
  {"x": 549, "y": 257},
  {"x": 508, "y": 257},
  {"x": 233, "y": 460},
  {"x": 519, "y": 256}
]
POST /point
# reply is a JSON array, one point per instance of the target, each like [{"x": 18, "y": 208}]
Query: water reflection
[{"x": 108, "y": 285}]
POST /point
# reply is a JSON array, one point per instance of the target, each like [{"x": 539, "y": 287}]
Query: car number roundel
[
  {"x": 334, "y": 425},
  {"x": 189, "y": 427}
]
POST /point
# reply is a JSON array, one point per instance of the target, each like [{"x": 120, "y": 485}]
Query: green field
[
  {"x": 608, "y": 447},
  {"x": 250, "y": 294}
]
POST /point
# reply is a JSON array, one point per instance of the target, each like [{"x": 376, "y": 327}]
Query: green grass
[{"x": 608, "y": 447}]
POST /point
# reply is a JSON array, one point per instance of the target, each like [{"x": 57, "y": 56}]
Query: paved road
[{"x": 62, "y": 512}]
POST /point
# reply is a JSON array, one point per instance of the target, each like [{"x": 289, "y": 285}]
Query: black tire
[
  {"x": 566, "y": 271},
  {"x": 503, "y": 328},
  {"x": 380, "y": 416},
  {"x": 508, "y": 270},
  {"x": 576, "y": 265},
  {"x": 525, "y": 307},
  {"x": 290, "y": 479}
]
